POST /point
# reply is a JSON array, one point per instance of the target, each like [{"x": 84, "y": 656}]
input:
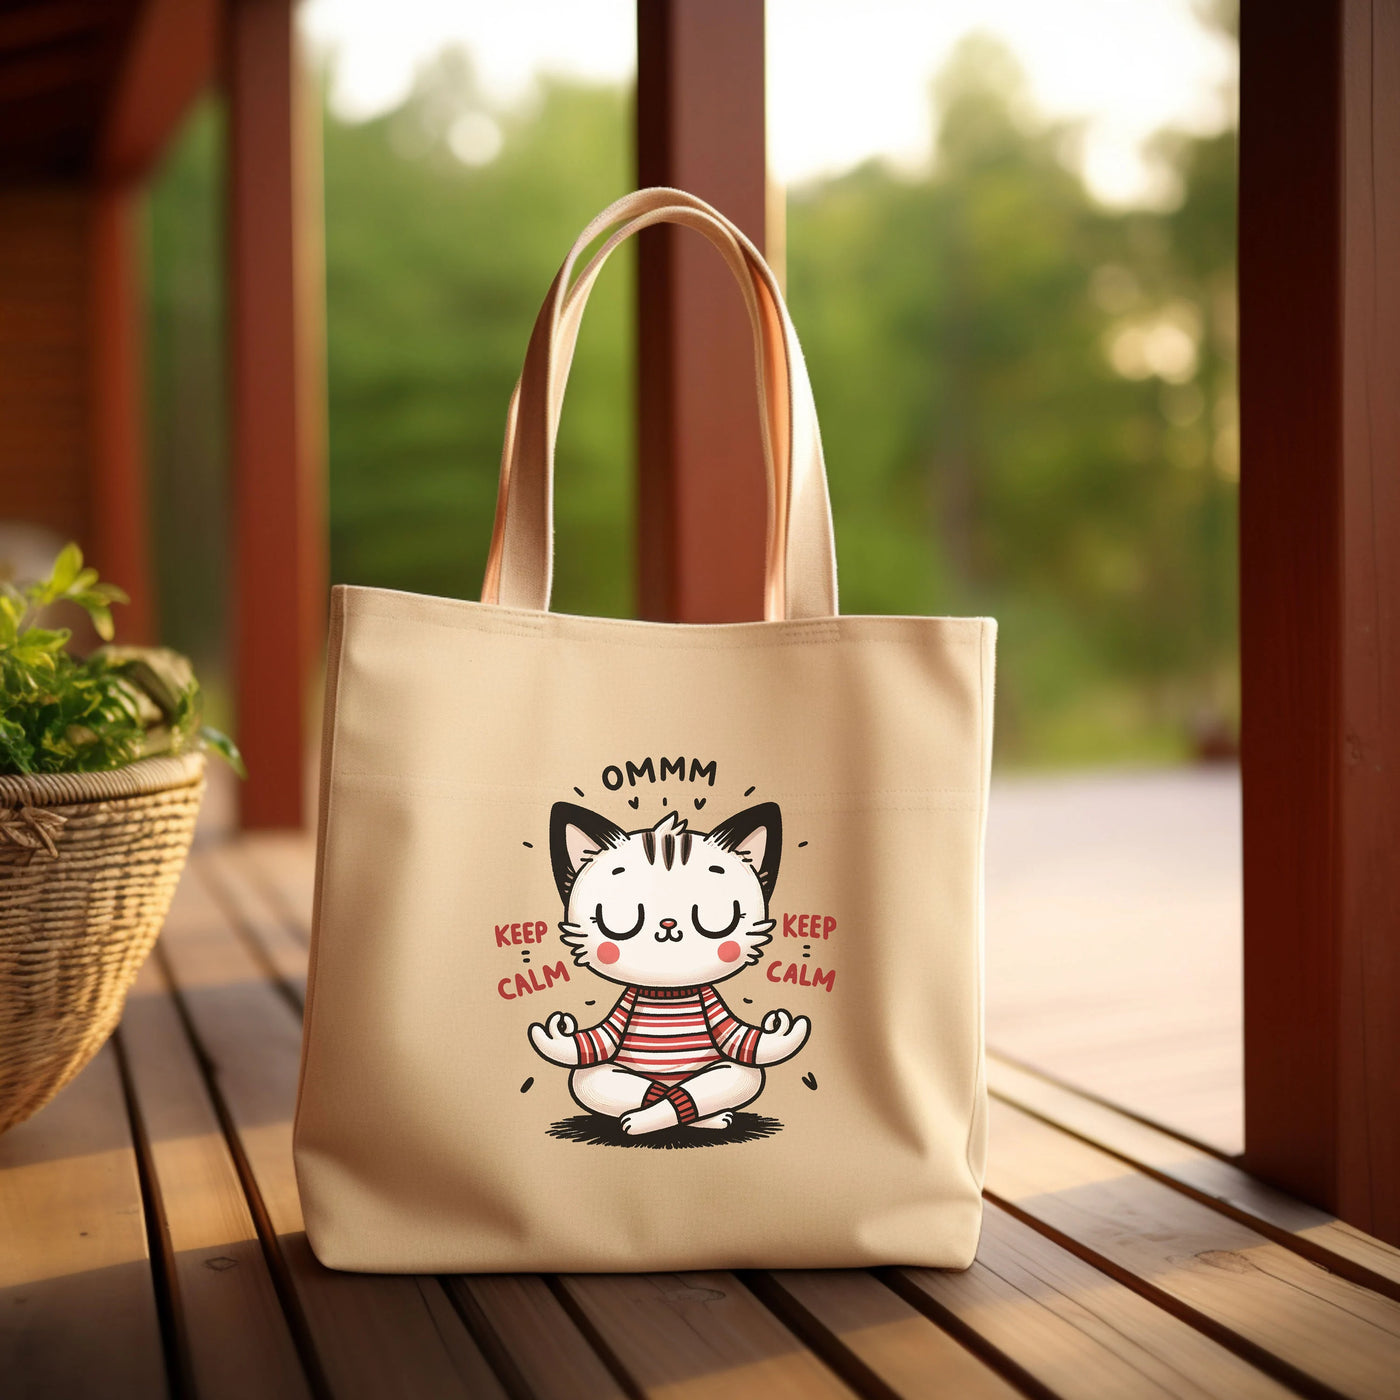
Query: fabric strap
[{"x": 800, "y": 563}]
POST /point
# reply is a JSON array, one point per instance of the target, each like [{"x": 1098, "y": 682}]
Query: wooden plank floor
[
  {"x": 1115, "y": 938},
  {"x": 151, "y": 1243}
]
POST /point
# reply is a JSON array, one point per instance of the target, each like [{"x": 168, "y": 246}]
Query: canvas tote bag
[{"x": 643, "y": 946}]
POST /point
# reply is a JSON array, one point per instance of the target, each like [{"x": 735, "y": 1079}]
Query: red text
[
  {"x": 524, "y": 985},
  {"x": 797, "y": 972},
  {"x": 808, "y": 925},
  {"x": 506, "y": 934}
]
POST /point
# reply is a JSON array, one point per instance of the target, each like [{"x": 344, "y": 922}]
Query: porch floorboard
[{"x": 153, "y": 1242}]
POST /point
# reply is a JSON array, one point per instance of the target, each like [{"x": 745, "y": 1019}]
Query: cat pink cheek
[
  {"x": 729, "y": 952},
  {"x": 609, "y": 952}
]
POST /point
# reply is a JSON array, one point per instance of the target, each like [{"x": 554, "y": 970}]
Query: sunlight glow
[
  {"x": 847, "y": 81},
  {"x": 475, "y": 138}
]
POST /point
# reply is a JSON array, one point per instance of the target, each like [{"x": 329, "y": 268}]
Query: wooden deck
[
  {"x": 1115, "y": 939},
  {"x": 151, "y": 1243}
]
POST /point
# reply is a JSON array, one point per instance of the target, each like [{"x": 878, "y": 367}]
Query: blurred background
[
  {"x": 1007, "y": 235},
  {"x": 1008, "y": 247}
]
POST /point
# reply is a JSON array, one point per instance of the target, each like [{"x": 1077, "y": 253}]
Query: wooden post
[
  {"x": 277, "y": 405},
  {"x": 166, "y": 60},
  {"x": 702, "y": 498},
  {"x": 1320, "y": 600},
  {"x": 119, "y": 543}
]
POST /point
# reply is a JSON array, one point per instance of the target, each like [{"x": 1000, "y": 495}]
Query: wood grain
[
  {"x": 78, "y": 1310},
  {"x": 229, "y": 877},
  {"x": 45, "y": 354},
  {"x": 276, "y": 404},
  {"x": 701, "y": 498},
  {"x": 1072, "y": 1330},
  {"x": 1177, "y": 1277},
  {"x": 1114, "y": 937},
  {"x": 283, "y": 865},
  {"x": 1261, "y": 1299},
  {"x": 371, "y": 1335},
  {"x": 234, "y": 1339},
  {"x": 1319, "y": 289},
  {"x": 1334, "y": 1244},
  {"x": 683, "y": 1336},
  {"x": 538, "y": 1343},
  {"x": 899, "y": 1346}
]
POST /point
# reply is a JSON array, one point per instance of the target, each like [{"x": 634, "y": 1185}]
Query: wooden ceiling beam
[
  {"x": 35, "y": 75},
  {"x": 32, "y": 26},
  {"x": 169, "y": 59}
]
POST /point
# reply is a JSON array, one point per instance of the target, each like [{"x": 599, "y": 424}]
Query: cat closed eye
[
  {"x": 715, "y": 932},
  {"x": 619, "y": 933}
]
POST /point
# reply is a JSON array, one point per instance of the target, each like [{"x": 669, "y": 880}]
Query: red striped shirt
[{"x": 668, "y": 1033}]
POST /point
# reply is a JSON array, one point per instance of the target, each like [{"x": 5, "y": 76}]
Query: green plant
[{"x": 61, "y": 713}]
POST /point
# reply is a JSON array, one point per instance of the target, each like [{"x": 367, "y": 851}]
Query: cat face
[{"x": 665, "y": 906}]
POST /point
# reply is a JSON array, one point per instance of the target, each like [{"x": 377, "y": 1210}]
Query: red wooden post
[
  {"x": 279, "y": 576},
  {"x": 119, "y": 543},
  {"x": 166, "y": 60},
  {"x": 1320, "y": 600},
  {"x": 702, "y": 499}
]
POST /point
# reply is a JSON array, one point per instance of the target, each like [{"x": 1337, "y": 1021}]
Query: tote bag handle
[{"x": 800, "y": 563}]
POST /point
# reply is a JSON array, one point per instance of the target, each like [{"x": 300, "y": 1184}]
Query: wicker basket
[{"x": 88, "y": 865}]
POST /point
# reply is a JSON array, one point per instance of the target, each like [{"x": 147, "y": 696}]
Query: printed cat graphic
[{"x": 667, "y": 912}]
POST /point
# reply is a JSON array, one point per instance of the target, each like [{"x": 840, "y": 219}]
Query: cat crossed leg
[
  {"x": 608, "y": 1089},
  {"x": 619, "y": 1093},
  {"x": 705, "y": 1100},
  {"x": 718, "y": 1091}
]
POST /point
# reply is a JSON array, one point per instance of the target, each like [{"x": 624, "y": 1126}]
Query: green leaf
[
  {"x": 164, "y": 675},
  {"x": 68, "y": 714},
  {"x": 220, "y": 742},
  {"x": 65, "y": 569},
  {"x": 10, "y": 614},
  {"x": 39, "y": 639}
]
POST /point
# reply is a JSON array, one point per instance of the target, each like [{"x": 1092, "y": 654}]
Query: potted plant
[{"x": 101, "y": 776}]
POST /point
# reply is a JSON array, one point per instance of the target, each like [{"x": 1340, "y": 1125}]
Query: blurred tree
[
  {"x": 1027, "y": 399},
  {"x": 445, "y": 221},
  {"x": 1016, "y": 388}
]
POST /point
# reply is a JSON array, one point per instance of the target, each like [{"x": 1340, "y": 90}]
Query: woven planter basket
[{"x": 88, "y": 865}]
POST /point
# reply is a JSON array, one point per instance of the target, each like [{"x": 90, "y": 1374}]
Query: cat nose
[{"x": 668, "y": 923}]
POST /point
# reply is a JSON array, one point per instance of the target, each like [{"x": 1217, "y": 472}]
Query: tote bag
[{"x": 643, "y": 946}]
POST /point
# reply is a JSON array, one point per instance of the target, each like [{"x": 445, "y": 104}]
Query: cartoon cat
[{"x": 667, "y": 912}]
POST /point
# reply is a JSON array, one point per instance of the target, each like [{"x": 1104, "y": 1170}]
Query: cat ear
[
  {"x": 576, "y": 834},
  {"x": 756, "y": 832}
]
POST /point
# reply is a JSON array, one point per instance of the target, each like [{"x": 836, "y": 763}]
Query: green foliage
[
  {"x": 1027, "y": 399},
  {"x": 1022, "y": 395},
  {"x": 435, "y": 272},
  {"x": 66, "y": 714}
]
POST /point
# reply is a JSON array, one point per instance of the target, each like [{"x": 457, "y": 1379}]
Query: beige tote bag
[{"x": 643, "y": 946}]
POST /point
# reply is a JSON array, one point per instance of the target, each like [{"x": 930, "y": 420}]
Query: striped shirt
[{"x": 668, "y": 1034}]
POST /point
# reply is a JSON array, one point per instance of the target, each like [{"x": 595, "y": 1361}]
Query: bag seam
[
  {"x": 980, "y": 1047},
  {"x": 326, "y": 789}
]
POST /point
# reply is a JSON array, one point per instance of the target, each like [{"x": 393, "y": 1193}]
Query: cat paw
[
  {"x": 782, "y": 1036},
  {"x": 555, "y": 1039},
  {"x": 648, "y": 1120},
  {"x": 715, "y": 1120}
]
